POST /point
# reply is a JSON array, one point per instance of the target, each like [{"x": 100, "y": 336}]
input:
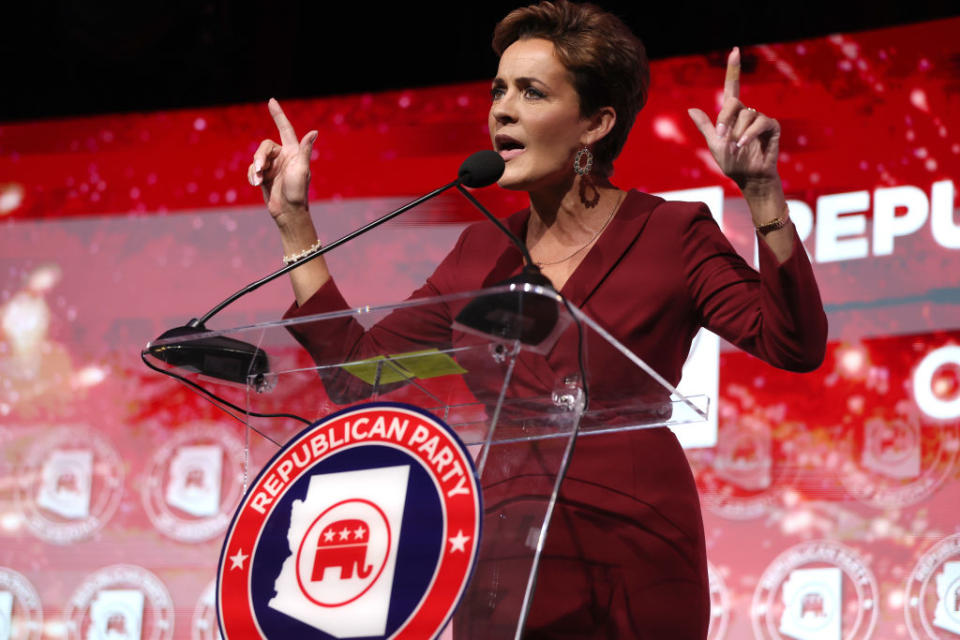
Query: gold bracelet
[
  {"x": 773, "y": 225},
  {"x": 293, "y": 257}
]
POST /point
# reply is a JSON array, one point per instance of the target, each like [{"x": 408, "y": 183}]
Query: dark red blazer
[{"x": 625, "y": 555}]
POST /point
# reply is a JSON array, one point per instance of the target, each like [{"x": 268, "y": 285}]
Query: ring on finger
[{"x": 751, "y": 109}]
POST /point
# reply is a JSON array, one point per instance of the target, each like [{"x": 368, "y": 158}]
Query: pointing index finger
[
  {"x": 731, "y": 84},
  {"x": 287, "y": 135}
]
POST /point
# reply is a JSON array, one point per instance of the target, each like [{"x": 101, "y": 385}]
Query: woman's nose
[{"x": 504, "y": 110}]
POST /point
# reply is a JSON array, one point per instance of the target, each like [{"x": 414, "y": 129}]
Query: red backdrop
[{"x": 115, "y": 228}]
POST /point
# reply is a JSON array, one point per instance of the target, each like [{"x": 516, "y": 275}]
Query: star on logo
[
  {"x": 345, "y": 534},
  {"x": 328, "y": 536},
  {"x": 459, "y": 542},
  {"x": 237, "y": 560},
  {"x": 359, "y": 532}
]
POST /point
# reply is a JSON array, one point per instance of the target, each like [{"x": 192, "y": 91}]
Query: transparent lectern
[{"x": 513, "y": 370}]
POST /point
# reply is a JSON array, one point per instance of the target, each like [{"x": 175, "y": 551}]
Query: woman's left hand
[{"x": 744, "y": 142}]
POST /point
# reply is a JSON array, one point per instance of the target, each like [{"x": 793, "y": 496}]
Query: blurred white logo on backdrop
[
  {"x": 947, "y": 614},
  {"x": 65, "y": 483},
  {"x": 195, "y": 479},
  {"x": 116, "y": 614},
  {"x": 812, "y": 601}
]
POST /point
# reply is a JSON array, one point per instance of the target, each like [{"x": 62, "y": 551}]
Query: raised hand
[
  {"x": 744, "y": 142},
  {"x": 283, "y": 170}
]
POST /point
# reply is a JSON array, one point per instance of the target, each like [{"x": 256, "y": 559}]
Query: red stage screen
[{"x": 830, "y": 499}]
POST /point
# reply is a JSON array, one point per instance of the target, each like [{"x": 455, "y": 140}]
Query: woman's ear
[{"x": 601, "y": 123}]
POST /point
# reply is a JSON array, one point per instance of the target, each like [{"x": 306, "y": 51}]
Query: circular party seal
[
  {"x": 71, "y": 482},
  {"x": 745, "y": 475},
  {"x": 120, "y": 601},
  {"x": 932, "y": 596},
  {"x": 193, "y": 483},
  {"x": 819, "y": 589},
  {"x": 897, "y": 461},
  {"x": 365, "y": 524},
  {"x": 21, "y": 614}
]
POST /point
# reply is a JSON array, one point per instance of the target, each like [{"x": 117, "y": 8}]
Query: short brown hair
[{"x": 608, "y": 63}]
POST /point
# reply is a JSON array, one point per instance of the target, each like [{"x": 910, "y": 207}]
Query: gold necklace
[{"x": 590, "y": 241}]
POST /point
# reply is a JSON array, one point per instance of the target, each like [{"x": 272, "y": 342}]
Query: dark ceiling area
[{"x": 76, "y": 57}]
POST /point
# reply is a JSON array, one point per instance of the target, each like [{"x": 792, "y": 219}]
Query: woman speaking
[{"x": 570, "y": 82}]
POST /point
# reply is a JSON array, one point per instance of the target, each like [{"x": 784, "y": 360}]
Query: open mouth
[{"x": 508, "y": 147}]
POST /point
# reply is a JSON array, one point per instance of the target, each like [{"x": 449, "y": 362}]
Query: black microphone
[
  {"x": 233, "y": 360},
  {"x": 516, "y": 313},
  {"x": 481, "y": 169}
]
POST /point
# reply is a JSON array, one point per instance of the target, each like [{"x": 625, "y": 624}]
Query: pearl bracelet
[{"x": 293, "y": 257}]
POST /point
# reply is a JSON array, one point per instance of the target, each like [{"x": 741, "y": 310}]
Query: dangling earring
[
  {"x": 583, "y": 169},
  {"x": 589, "y": 194}
]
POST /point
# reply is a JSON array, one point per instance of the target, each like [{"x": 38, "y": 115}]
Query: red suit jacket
[{"x": 625, "y": 554}]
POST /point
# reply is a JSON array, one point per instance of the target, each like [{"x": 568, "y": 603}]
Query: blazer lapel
[
  {"x": 510, "y": 260},
  {"x": 533, "y": 370},
  {"x": 603, "y": 257},
  {"x": 610, "y": 248}
]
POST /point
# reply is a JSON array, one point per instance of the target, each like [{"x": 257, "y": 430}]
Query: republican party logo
[
  {"x": 365, "y": 525},
  {"x": 818, "y": 590},
  {"x": 121, "y": 602},
  {"x": 21, "y": 616},
  {"x": 932, "y": 601},
  {"x": 744, "y": 476},
  {"x": 744, "y": 456},
  {"x": 892, "y": 448},
  {"x": 193, "y": 483},
  {"x": 71, "y": 482},
  {"x": 898, "y": 460}
]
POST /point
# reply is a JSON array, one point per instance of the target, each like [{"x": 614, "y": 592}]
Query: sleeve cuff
[
  {"x": 767, "y": 259},
  {"x": 327, "y": 298}
]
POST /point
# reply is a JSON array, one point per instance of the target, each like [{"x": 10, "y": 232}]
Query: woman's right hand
[{"x": 282, "y": 170}]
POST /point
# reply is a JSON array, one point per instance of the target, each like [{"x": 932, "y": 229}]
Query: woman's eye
[{"x": 529, "y": 93}]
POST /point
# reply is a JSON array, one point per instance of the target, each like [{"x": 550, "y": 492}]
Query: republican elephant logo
[
  {"x": 813, "y": 604},
  {"x": 195, "y": 478},
  {"x": 117, "y": 624},
  {"x": 67, "y": 483},
  {"x": 343, "y": 544}
]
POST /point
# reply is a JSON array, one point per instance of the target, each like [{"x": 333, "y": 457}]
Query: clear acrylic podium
[{"x": 516, "y": 399}]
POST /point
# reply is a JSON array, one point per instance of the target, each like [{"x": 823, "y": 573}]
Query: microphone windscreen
[{"x": 481, "y": 169}]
